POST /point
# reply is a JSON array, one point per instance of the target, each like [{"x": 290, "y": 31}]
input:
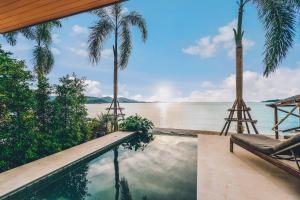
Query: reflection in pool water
[{"x": 159, "y": 168}]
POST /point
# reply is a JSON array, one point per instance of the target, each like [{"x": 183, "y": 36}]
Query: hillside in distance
[{"x": 99, "y": 100}]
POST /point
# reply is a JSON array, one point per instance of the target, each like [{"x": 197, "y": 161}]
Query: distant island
[{"x": 99, "y": 100}]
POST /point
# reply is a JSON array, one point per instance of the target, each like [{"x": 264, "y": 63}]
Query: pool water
[{"x": 159, "y": 168}]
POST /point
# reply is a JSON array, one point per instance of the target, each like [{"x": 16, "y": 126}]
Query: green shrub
[
  {"x": 101, "y": 125},
  {"x": 70, "y": 113},
  {"x": 136, "y": 123},
  {"x": 18, "y": 139}
]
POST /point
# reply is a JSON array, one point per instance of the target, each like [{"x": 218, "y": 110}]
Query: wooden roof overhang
[
  {"x": 16, "y": 14},
  {"x": 291, "y": 101}
]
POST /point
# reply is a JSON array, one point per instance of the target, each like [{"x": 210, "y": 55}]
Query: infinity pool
[{"x": 158, "y": 168}]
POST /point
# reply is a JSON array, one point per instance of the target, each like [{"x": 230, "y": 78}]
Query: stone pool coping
[
  {"x": 240, "y": 175},
  {"x": 19, "y": 178},
  {"x": 182, "y": 132}
]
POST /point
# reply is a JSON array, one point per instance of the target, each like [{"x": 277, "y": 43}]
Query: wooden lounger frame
[{"x": 277, "y": 162}]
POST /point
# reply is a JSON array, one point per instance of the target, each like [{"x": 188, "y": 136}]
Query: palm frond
[
  {"x": 125, "y": 191},
  {"x": 43, "y": 32},
  {"x": 116, "y": 9},
  {"x": 27, "y": 32},
  {"x": 99, "y": 33},
  {"x": 101, "y": 12},
  {"x": 126, "y": 46},
  {"x": 49, "y": 60},
  {"x": 294, "y": 3},
  {"x": 54, "y": 24},
  {"x": 11, "y": 37},
  {"x": 37, "y": 57},
  {"x": 104, "y": 14},
  {"x": 136, "y": 19},
  {"x": 43, "y": 59},
  {"x": 278, "y": 18}
]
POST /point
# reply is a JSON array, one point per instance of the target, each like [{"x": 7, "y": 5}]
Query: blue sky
[{"x": 189, "y": 55}]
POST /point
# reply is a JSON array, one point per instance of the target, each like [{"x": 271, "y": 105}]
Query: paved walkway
[
  {"x": 22, "y": 176},
  {"x": 239, "y": 176}
]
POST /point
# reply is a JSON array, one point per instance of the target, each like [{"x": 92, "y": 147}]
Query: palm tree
[
  {"x": 42, "y": 56},
  {"x": 43, "y": 61},
  {"x": 278, "y": 18},
  {"x": 11, "y": 37},
  {"x": 114, "y": 20},
  {"x": 117, "y": 173}
]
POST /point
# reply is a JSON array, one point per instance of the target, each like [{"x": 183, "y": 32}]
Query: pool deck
[
  {"x": 241, "y": 175},
  {"x": 23, "y": 176}
]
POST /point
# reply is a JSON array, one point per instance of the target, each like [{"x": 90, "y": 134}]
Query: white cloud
[
  {"x": 125, "y": 10},
  {"x": 19, "y": 47},
  {"x": 21, "y": 50},
  {"x": 138, "y": 97},
  {"x": 207, "y": 47},
  {"x": 56, "y": 39},
  {"x": 207, "y": 85},
  {"x": 79, "y": 51},
  {"x": 92, "y": 88},
  {"x": 204, "y": 48},
  {"x": 77, "y": 29},
  {"x": 256, "y": 87},
  {"x": 55, "y": 51},
  {"x": 82, "y": 51}
]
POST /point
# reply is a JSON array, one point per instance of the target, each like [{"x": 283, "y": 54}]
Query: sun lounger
[{"x": 271, "y": 150}]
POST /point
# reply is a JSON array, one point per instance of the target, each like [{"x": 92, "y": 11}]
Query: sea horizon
[{"x": 206, "y": 116}]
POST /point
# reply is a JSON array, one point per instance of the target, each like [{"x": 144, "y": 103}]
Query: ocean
[{"x": 196, "y": 116}]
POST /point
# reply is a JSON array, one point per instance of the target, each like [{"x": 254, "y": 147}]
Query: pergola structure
[
  {"x": 287, "y": 106},
  {"x": 17, "y": 14}
]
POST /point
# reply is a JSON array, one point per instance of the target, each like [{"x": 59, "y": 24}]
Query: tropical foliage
[
  {"x": 279, "y": 20},
  {"x": 117, "y": 22},
  {"x": 21, "y": 139},
  {"x": 11, "y": 37},
  {"x": 18, "y": 137},
  {"x": 101, "y": 125},
  {"x": 70, "y": 112},
  {"x": 136, "y": 123},
  {"x": 114, "y": 20},
  {"x": 43, "y": 61}
]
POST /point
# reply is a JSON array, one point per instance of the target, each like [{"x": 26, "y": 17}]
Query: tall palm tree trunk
[
  {"x": 239, "y": 67},
  {"x": 239, "y": 86},
  {"x": 115, "y": 99},
  {"x": 41, "y": 98}
]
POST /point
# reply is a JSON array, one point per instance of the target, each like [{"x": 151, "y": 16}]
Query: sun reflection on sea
[{"x": 163, "y": 110}]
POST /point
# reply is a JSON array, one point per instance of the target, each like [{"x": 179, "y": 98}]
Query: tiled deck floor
[
  {"x": 239, "y": 176},
  {"x": 18, "y": 177}
]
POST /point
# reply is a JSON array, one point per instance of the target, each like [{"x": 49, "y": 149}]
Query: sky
[{"x": 189, "y": 55}]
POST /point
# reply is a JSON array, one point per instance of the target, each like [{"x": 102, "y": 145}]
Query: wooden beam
[
  {"x": 283, "y": 119},
  {"x": 284, "y": 111},
  {"x": 276, "y": 122},
  {"x": 16, "y": 14}
]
